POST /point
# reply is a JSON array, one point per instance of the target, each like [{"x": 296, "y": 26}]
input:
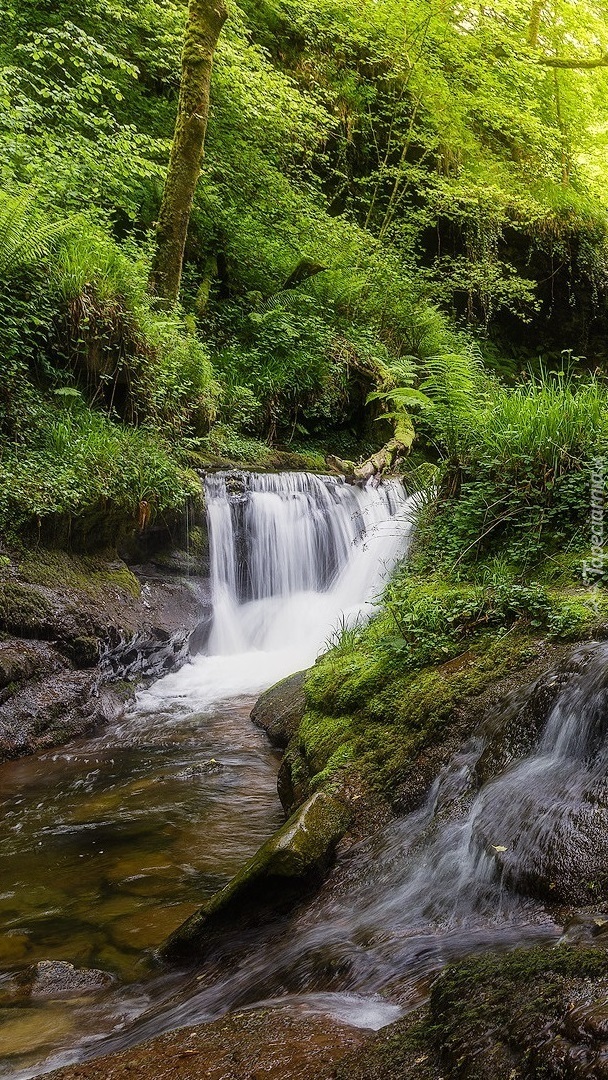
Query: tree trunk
[
  {"x": 205, "y": 21},
  {"x": 534, "y": 22}
]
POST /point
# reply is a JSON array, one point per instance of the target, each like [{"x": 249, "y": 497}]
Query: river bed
[{"x": 108, "y": 845}]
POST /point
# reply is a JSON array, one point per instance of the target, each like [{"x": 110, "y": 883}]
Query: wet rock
[
  {"x": 531, "y": 1014},
  {"x": 512, "y": 730},
  {"x": 58, "y": 979},
  {"x": 271, "y": 882},
  {"x": 279, "y": 711},
  {"x": 199, "y": 638},
  {"x": 73, "y": 629},
  {"x": 52, "y": 710},
  {"x": 586, "y": 928},
  {"x": 262, "y": 1043},
  {"x": 565, "y": 859}
]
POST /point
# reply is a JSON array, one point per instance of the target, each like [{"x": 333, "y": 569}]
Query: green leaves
[{"x": 25, "y": 236}]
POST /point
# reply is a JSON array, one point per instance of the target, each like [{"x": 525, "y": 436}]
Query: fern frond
[{"x": 26, "y": 236}]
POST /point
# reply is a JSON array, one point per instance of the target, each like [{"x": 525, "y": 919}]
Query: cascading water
[
  {"x": 293, "y": 557},
  {"x": 155, "y": 812},
  {"x": 439, "y": 883}
]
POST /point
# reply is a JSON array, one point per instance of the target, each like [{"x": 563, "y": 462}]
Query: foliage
[
  {"x": 518, "y": 468},
  {"x": 386, "y": 188},
  {"x": 80, "y": 462}
]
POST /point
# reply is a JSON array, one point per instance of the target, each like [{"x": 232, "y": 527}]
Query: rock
[
  {"x": 72, "y": 630},
  {"x": 58, "y": 979},
  {"x": 513, "y": 729},
  {"x": 50, "y": 711},
  {"x": 294, "y": 858},
  {"x": 586, "y": 928},
  {"x": 197, "y": 642},
  {"x": 565, "y": 859},
  {"x": 279, "y": 711},
  {"x": 272, "y": 1044}
]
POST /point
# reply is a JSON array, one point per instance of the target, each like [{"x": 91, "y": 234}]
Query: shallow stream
[{"x": 107, "y": 845}]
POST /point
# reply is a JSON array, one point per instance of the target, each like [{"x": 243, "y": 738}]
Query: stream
[
  {"x": 107, "y": 845},
  {"x": 110, "y": 843}
]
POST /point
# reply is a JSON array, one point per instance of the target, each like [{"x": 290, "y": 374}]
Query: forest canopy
[{"x": 384, "y": 182}]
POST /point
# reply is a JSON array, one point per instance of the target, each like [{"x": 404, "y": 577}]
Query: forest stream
[{"x": 111, "y": 843}]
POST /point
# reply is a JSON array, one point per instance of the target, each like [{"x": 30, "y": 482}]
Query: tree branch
[{"x": 581, "y": 63}]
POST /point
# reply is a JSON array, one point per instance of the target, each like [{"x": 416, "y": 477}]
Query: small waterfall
[
  {"x": 292, "y": 552},
  {"x": 455, "y": 877},
  {"x": 293, "y": 557}
]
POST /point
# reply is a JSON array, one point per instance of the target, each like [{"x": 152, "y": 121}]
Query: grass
[{"x": 81, "y": 463}]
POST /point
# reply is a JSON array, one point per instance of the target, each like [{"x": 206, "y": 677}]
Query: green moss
[
  {"x": 492, "y": 1006},
  {"x": 385, "y": 692},
  {"x": 23, "y": 611},
  {"x": 488, "y": 1017},
  {"x": 84, "y": 573}
]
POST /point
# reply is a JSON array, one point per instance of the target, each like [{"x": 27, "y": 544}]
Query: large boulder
[
  {"x": 73, "y": 630},
  {"x": 292, "y": 860},
  {"x": 280, "y": 710}
]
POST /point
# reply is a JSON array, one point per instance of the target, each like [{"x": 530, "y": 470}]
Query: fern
[{"x": 25, "y": 236}]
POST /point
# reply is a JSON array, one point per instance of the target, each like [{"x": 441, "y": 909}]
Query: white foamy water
[{"x": 293, "y": 557}]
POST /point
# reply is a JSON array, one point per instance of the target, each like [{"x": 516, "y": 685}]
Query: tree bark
[
  {"x": 383, "y": 461},
  {"x": 574, "y": 63},
  {"x": 205, "y": 21},
  {"x": 536, "y": 12}
]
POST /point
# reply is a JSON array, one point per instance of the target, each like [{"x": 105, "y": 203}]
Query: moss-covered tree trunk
[{"x": 205, "y": 21}]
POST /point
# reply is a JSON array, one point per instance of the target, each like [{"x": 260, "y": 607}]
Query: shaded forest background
[{"x": 390, "y": 190}]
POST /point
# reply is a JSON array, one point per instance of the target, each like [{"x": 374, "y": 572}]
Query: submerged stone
[
  {"x": 273, "y": 879},
  {"x": 58, "y": 979}
]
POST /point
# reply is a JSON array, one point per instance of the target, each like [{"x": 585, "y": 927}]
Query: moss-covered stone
[
  {"x": 276, "y": 876},
  {"x": 279, "y": 711},
  {"x": 531, "y": 1014}
]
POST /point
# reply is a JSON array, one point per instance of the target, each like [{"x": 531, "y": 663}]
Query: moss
[
  {"x": 299, "y": 851},
  {"x": 380, "y": 714},
  {"x": 84, "y": 573},
  {"x": 495, "y": 1009},
  {"x": 23, "y": 611},
  {"x": 490, "y": 1017},
  {"x": 386, "y": 692}
]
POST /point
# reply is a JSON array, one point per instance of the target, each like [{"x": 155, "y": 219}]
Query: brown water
[{"x": 107, "y": 845}]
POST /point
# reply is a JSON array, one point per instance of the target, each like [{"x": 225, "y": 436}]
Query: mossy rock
[
  {"x": 24, "y": 610},
  {"x": 272, "y": 881},
  {"x": 18, "y": 663},
  {"x": 530, "y": 1014},
  {"x": 280, "y": 710}
]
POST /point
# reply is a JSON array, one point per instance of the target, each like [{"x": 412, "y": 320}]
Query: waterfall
[
  {"x": 293, "y": 558},
  {"x": 457, "y": 876}
]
